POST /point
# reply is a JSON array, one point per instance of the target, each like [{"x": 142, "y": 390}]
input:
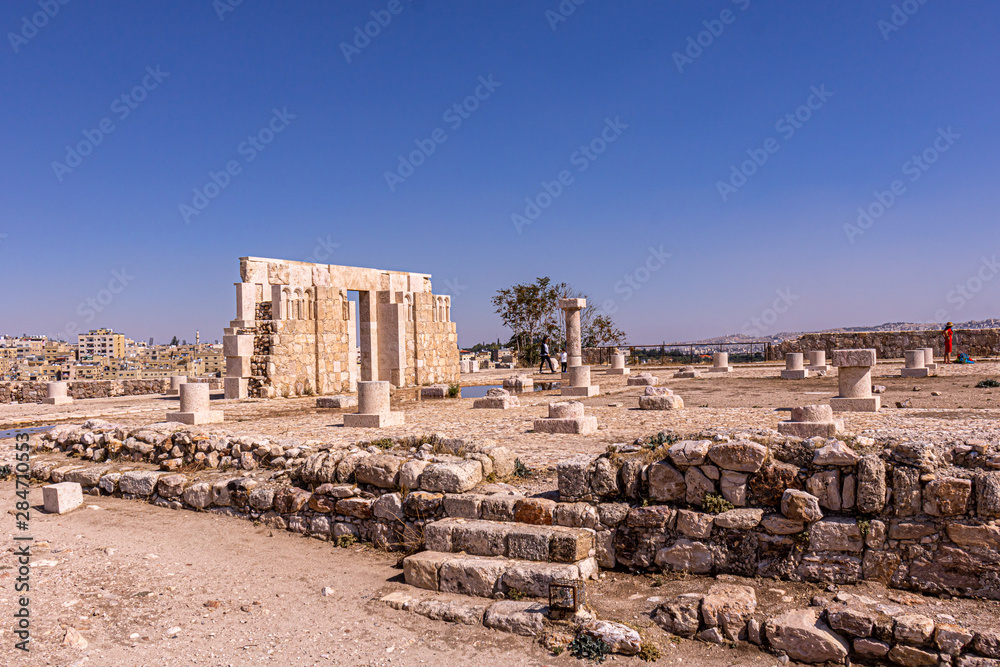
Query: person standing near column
[
  {"x": 947, "y": 342},
  {"x": 546, "y": 359},
  {"x": 563, "y": 359}
]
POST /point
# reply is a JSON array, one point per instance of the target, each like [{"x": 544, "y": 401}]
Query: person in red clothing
[{"x": 947, "y": 343}]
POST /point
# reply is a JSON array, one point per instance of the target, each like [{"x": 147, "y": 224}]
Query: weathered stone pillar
[
  {"x": 175, "y": 384},
  {"x": 855, "y": 380},
  {"x": 579, "y": 383},
  {"x": 56, "y": 394},
  {"x": 929, "y": 358},
  {"x": 817, "y": 361},
  {"x": 793, "y": 367},
  {"x": 914, "y": 364},
  {"x": 618, "y": 365},
  {"x": 571, "y": 308},
  {"x": 720, "y": 363},
  {"x": 195, "y": 407},
  {"x": 373, "y": 407}
]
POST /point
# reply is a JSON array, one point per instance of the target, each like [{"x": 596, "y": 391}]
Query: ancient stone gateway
[{"x": 295, "y": 331}]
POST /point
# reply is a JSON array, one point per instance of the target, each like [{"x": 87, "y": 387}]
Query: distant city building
[{"x": 101, "y": 342}]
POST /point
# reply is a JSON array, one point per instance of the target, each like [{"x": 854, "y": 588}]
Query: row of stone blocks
[
  {"x": 520, "y": 541},
  {"x": 486, "y": 577}
]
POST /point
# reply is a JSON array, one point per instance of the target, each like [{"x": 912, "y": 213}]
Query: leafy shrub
[
  {"x": 520, "y": 470},
  {"x": 713, "y": 503},
  {"x": 454, "y": 390},
  {"x": 346, "y": 540},
  {"x": 649, "y": 653},
  {"x": 988, "y": 383},
  {"x": 585, "y": 647}
]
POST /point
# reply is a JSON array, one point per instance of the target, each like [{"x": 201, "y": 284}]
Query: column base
[
  {"x": 374, "y": 421},
  {"x": 867, "y": 404},
  {"x": 720, "y": 369},
  {"x": 825, "y": 368},
  {"x": 794, "y": 375},
  {"x": 586, "y": 392},
  {"x": 337, "y": 402},
  {"x": 195, "y": 418},
  {"x": 914, "y": 372},
  {"x": 686, "y": 375},
  {"x": 58, "y": 400},
  {"x": 577, "y": 425},
  {"x": 618, "y": 371},
  {"x": 810, "y": 429},
  {"x": 931, "y": 367}
]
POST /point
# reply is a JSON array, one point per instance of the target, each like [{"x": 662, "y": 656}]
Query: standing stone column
[
  {"x": 855, "y": 380},
  {"x": 720, "y": 363},
  {"x": 195, "y": 405},
  {"x": 929, "y": 358},
  {"x": 793, "y": 367},
  {"x": 373, "y": 407},
  {"x": 817, "y": 361},
  {"x": 175, "y": 384},
  {"x": 571, "y": 308},
  {"x": 914, "y": 364},
  {"x": 55, "y": 394},
  {"x": 618, "y": 365}
]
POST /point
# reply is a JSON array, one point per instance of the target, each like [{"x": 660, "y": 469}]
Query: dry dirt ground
[{"x": 149, "y": 586}]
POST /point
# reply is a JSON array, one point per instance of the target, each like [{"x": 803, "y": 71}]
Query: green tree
[
  {"x": 531, "y": 311},
  {"x": 174, "y": 341}
]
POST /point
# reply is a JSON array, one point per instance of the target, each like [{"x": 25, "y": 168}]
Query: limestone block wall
[
  {"x": 305, "y": 341},
  {"x": 901, "y": 516},
  {"x": 892, "y": 344}
]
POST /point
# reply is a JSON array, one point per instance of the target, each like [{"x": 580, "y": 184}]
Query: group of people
[{"x": 547, "y": 357}]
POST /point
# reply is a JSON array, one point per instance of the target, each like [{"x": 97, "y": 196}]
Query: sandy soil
[{"x": 129, "y": 573}]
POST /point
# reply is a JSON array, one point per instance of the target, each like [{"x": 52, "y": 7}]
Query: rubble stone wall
[
  {"x": 812, "y": 510},
  {"x": 34, "y": 392},
  {"x": 892, "y": 344}
]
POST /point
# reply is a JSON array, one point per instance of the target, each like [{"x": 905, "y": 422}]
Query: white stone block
[
  {"x": 63, "y": 497},
  {"x": 237, "y": 388},
  {"x": 237, "y": 345}
]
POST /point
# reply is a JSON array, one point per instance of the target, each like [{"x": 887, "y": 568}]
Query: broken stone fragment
[{"x": 800, "y": 506}]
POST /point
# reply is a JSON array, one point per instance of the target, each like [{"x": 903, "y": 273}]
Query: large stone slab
[
  {"x": 62, "y": 497},
  {"x": 801, "y": 635}
]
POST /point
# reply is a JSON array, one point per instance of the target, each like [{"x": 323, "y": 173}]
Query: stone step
[
  {"x": 485, "y": 577},
  {"x": 521, "y": 541}
]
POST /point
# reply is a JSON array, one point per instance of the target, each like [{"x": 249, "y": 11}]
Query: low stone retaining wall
[
  {"x": 892, "y": 344},
  {"x": 830, "y": 631},
  {"x": 34, "y": 392},
  {"x": 810, "y": 510}
]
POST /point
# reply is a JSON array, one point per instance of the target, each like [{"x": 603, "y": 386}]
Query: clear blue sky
[{"x": 674, "y": 126}]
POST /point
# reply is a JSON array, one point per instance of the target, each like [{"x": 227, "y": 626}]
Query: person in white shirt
[{"x": 563, "y": 359}]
